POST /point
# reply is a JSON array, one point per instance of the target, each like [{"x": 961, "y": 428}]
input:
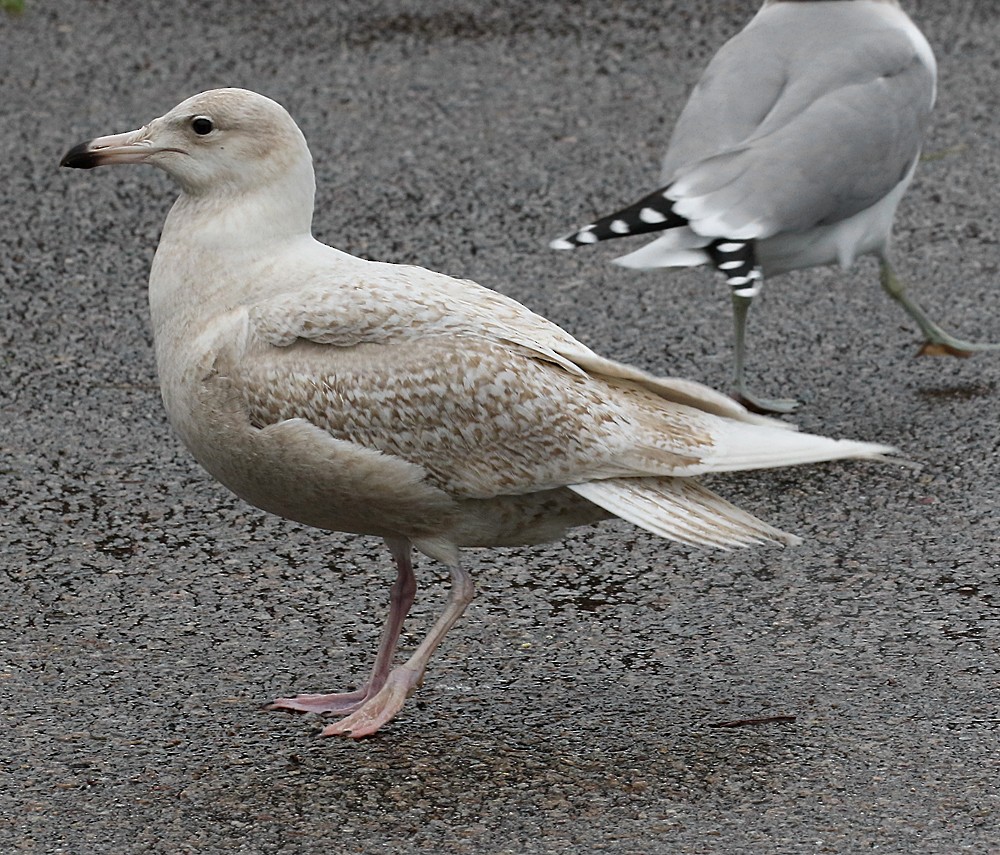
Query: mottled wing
[
  {"x": 475, "y": 392},
  {"x": 391, "y": 302},
  {"x": 378, "y": 302},
  {"x": 480, "y": 417}
]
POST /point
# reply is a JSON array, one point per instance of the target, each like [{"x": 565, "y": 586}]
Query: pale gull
[
  {"x": 389, "y": 400},
  {"x": 793, "y": 151}
]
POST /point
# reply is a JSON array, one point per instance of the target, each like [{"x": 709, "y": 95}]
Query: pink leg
[
  {"x": 378, "y": 709},
  {"x": 400, "y": 600}
]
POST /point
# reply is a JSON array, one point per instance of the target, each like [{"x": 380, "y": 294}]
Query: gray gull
[
  {"x": 793, "y": 151},
  {"x": 389, "y": 400}
]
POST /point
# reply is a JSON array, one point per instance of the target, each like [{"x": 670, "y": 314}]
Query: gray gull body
[
  {"x": 793, "y": 150},
  {"x": 388, "y": 400}
]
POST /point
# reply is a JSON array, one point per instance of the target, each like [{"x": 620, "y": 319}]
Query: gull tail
[
  {"x": 683, "y": 510},
  {"x": 737, "y": 446},
  {"x": 652, "y": 213}
]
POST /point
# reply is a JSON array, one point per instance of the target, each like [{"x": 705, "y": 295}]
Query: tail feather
[
  {"x": 681, "y": 509},
  {"x": 737, "y": 446},
  {"x": 679, "y": 248},
  {"x": 652, "y": 213}
]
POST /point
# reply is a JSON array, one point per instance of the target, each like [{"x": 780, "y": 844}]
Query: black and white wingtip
[
  {"x": 652, "y": 213},
  {"x": 737, "y": 261}
]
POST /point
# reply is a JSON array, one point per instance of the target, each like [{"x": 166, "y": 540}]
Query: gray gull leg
[
  {"x": 939, "y": 342},
  {"x": 741, "y": 305}
]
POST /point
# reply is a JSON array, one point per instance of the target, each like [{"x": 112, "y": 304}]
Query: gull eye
[{"x": 202, "y": 125}]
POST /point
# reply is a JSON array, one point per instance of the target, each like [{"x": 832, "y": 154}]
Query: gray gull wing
[{"x": 755, "y": 151}]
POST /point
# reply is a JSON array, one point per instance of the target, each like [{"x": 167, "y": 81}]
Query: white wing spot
[
  {"x": 730, "y": 247},
  {"x": 648, "y": 215},
  {"x": 586, "y": 237},
  {"x": 620, "y": 227}
]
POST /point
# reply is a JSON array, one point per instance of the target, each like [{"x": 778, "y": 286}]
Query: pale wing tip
[
  {"x": 785, "y": 539},
  {"x": 683, "y": 511},
  {"x": 890, "y": 455},
  {"x": 875, "y": 451},
  {"x": 561, "y": 243},
  {"x": 771, "y": 535}
]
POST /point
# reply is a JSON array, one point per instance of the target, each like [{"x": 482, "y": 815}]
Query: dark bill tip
[{"x": 80, "y": 157}]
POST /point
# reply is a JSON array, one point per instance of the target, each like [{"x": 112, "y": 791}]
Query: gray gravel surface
[{"x": 146, "y": 614}]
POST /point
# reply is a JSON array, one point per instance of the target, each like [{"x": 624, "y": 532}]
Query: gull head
[{"x": 223, "y": 142}]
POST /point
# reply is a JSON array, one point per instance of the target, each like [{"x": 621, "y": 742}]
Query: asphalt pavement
[{"x": 146, "y": 614}]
